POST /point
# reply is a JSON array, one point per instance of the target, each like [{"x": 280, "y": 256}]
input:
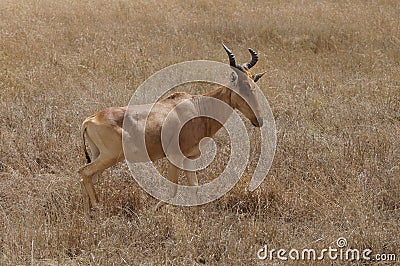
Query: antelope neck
[{"x": 222, "y": 94}]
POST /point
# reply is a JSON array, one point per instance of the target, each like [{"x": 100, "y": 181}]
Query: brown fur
[{"x": 103, "y": 132}]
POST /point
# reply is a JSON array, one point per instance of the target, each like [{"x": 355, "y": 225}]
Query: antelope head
[{"x": 244, "y": 98}]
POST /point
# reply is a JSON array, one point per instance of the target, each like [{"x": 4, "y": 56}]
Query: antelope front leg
[
  {"x": 173, "y": 177},
  {"x": 191, "y": 175}
]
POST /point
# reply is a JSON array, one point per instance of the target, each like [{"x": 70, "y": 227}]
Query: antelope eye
[{"x": 233, "y": 77}]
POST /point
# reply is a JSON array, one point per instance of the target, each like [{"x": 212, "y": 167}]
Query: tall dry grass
[{"x": 333, "y": 84}]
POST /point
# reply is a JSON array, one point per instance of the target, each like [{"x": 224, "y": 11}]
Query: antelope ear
[{"x": 258, "y": 76}]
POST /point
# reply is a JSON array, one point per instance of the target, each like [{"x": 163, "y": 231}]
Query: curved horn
[
  {"x": 232, "y": 61},
  {"x": 254, "y": 59}
]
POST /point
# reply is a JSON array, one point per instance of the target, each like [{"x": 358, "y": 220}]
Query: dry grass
[{"x": 333, "y": 83}]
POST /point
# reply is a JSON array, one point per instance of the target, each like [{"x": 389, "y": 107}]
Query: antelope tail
[{"x": 88, "y": 160}]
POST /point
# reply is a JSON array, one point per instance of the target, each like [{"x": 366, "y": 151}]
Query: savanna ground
[{"x": 333, "y": 83}]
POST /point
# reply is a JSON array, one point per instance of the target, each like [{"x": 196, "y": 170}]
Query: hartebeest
[{"x": 102, "y": 132}]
